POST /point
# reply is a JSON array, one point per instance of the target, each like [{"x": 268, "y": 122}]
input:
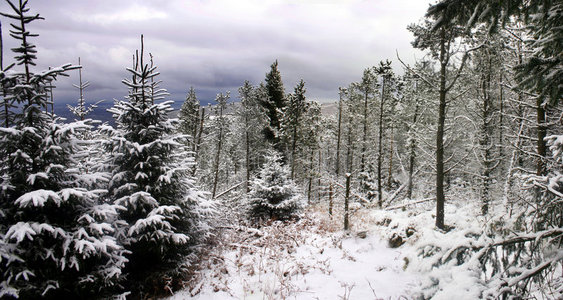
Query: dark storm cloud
[{"x": 216, "y": 45}]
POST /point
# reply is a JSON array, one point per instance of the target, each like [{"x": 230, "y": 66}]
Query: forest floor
[{"x": 313, "y": 258}]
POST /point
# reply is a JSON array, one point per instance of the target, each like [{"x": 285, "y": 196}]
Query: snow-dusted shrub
[
  {"x": 165, "y": 215},
  {"x": 273, "y": 195},
  {"x": 56, "y": 237}
]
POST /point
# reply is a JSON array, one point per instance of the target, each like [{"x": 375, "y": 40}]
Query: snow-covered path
[{"x": 295, "y": 263}]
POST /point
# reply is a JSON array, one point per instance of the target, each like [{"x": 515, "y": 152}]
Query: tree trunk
[
  {"x": 390, "y": 171},
  {"x": 412, "y": 156},
  {"x": 440, "y": 197},
  {"x": 501, "y": 120},
  {"x": 338, "y": 134},
  {"x": 6, "y": 105},
  {"x": 541, "y": 134},
  {"x": 319, "y": 180},
  {"x": 218, "y": 155},
  {"x": 365, "y": 133},
  {"x": 330, "y": 195},
  {"x": 350, "y": 148},
  {"x": 486, "y": 146},
  {"x": 310, "y": 189},
  {"x": 346, "y": 200},
  {"x": 247, "y": 161},
  {"x": 380, "y": 147}
]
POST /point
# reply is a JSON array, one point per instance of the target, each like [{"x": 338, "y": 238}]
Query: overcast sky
[{"x": 214, "y": 45}]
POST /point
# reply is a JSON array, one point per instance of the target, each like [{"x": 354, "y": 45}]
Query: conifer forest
[{"x": 440, "y": 178}]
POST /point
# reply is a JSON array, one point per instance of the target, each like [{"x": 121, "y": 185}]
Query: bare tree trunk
[
  {"x": 319, "y": 190},
  {"x": 1, "y": 49},
  {"x": 412, "y": 156},
  {"x": 440, "y": 197},
  {"x": 365, "y": 134},
  {"x": 541, "y": 134},
  {"x": 380, "y": 147},
  {"x": 218, "y": 155},
  {"x": 501, "y": 119},
  {"x": 247, "y": 140},
  {"x": 6, "y": 105},
  {"x": 350, "y": 148},
  {"x": 338, "y": 134},
  {"x": 330, "y": 195},
  {"x": 310, "y": 189},
  {"x": 346, "y": 200},
  {"x": 486, "y": 145},
  {"x": 390, "y": 171}
]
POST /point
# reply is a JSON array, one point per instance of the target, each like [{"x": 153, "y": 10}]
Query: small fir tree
[
  {"x": 273, "y": 194},
  {"x": 81, "y": 110}
]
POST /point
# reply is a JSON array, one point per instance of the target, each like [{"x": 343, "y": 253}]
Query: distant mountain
[{"x": 101, "y": 113}]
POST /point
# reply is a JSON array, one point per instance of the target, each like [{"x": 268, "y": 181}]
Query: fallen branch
[
  {"x": 400, "y": 189},
  {"x": 411, "y": 203},
  {"x": 229, "y": 189}
]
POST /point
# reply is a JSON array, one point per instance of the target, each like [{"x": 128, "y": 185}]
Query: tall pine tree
[{"x": 274, "y": 105}]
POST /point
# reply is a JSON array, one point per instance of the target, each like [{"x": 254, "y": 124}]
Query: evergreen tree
[
  {"x": 164, "y": 213},
  {"x": 189, "y": 117},
  {"x": 274, "y": 105},
  {"x": 292, "y": 123},
  {"x": 273, "y": 195},
  {"x": 56, "y": 237}
]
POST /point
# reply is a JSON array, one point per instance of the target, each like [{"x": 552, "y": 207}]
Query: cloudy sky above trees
[{"x": 214, "y": 45}]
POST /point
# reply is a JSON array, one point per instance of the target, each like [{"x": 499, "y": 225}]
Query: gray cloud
[{"x": 214, "y": 45}]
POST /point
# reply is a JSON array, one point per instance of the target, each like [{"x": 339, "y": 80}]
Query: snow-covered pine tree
[
  {"x": 165, "y": 214},
  {"x": 189, "y": 116},
  {"x": 274, "y": 105},
  {"x": 56, "y": 240},
  {"x": 273, "y": 195}
]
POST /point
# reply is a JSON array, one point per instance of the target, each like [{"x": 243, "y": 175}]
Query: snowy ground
[
  {"x": 310, "y": 259},
  {"x": 315, "y": 259}
]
